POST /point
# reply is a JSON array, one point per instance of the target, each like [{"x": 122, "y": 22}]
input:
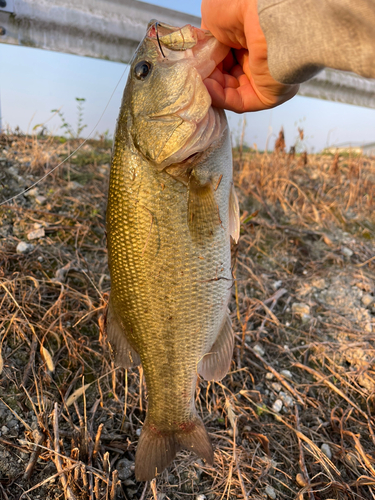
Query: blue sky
[{"x": 33, "y": 82}]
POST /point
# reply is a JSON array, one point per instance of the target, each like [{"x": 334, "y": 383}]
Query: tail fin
[{"x": 156, "y": 449}]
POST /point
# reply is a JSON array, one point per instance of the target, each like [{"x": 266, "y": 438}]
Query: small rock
[
  {"x": 138, "y": 432},
  {"x": 40, "y": 199},
  {"x": 270, "y": 492},
  {"x": 286, "y": 373},
  {"x": 24, "y": 247},
  {"x": 366, "y": 381},
  {"x": 326, "y": 450},
  {"x": 305, "y": 318},
  {"x": 4, "y": 429},
  {"x": 13, "y": 170},
  {"x": 277, "y": 284},
  {"x": 346, "y": 252},
  {"x": 6, "y": 230},
  {"x": 40, "y": 258},
  {"x": 172, "y": 479},
  {"x": 276, "y": 386},
  {"x": 37, "y": 233},
  {"x": 259, "y": 349},
  {"x": 31, "y": 192},
  {"x": 201, "y": 497},
  {"x": 367, "y": 300},
  {"x": 269, "y": 376},
  {"x": 74, "y": 185},
  {"x": 287, "y": 400},
  {"x": 277, "y": 405},
  {"x": 300, "y": 308},
  {"x": 124, "y": 467},
  {"x": 129, "y": 482},
  {"x": 198, "y": 467},
  {"x": 13, "y": 422},
  {"x": 367, "y": 327}
]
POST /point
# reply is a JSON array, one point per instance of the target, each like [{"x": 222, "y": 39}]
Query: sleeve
[{"x": 304, "y": 36}]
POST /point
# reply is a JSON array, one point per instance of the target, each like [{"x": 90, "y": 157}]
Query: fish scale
[
  {"x": 169, "y": 257},
  {"x": 162, "y": 281}
]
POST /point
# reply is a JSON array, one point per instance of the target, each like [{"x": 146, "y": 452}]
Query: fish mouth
[
  {"x": 200, "y": 44},
  {"x": 174, "y": 38}
]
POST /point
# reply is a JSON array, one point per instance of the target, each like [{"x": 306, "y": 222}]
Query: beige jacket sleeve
[{"x": 304, "y": 36}]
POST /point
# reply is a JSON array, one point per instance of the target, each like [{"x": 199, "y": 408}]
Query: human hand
[{"x": 242, "y": 82}]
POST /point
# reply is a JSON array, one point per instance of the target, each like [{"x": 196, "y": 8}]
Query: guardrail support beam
[{"x": 112, "y": 29}]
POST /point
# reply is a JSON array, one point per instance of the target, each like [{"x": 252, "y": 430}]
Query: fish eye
[{"x": 142, "y": 69}]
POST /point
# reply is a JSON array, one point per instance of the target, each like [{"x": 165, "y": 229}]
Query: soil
[{"x": 294, "y": 418}]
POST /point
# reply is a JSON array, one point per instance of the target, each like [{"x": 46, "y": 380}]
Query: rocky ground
[{"x": 294, "y": 418}]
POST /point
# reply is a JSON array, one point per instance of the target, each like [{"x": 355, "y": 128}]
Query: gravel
[{"x": 24, "y": 247}]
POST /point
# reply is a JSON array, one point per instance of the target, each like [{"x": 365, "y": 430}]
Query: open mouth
[
  {"x": 188, "y": 43},
  {"x": 174, "y": 38}
]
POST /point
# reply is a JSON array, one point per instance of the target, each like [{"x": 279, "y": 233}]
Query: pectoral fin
[
  {"x": 234, "y": 215},
  {"x": 203, "y": 212},
  {"x": 216, "y": 363},
  {"x": 124, "y": 353}
]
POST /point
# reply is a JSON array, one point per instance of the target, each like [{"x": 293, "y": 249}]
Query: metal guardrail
[
  {"x": 106, "y": 29},
  {"x": 341, "y": 86},
  {"x": 112, "y": 29}
]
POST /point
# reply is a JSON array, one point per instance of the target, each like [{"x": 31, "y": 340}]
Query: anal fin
[
  {"x": 216, "y": 363},
  {"x": 125, "y": 355}
]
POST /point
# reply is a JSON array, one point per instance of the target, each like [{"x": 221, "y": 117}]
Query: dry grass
[{"x": 304, "y": 264}]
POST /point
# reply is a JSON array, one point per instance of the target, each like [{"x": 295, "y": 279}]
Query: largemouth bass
[{"x": 171, "y": 211}]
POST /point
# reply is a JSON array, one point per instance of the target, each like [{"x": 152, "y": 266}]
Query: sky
[{"x": 34, "y": 81}]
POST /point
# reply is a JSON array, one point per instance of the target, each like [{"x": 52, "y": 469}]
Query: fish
[{"x": 171, "y": 212}]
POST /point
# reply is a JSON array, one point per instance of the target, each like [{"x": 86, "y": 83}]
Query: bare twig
[
  {"x": 39, "y": 438},
  {"x": 30, "y": 363},
  {"x": 302, "y": 456},
  {"x": 331, "y": 386},
  {"x": 57, "y": 458}
]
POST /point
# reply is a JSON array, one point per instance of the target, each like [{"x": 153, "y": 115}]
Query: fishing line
[
  {"x": 75, "y": 151},
  {"x": 157, "y": 36}
]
